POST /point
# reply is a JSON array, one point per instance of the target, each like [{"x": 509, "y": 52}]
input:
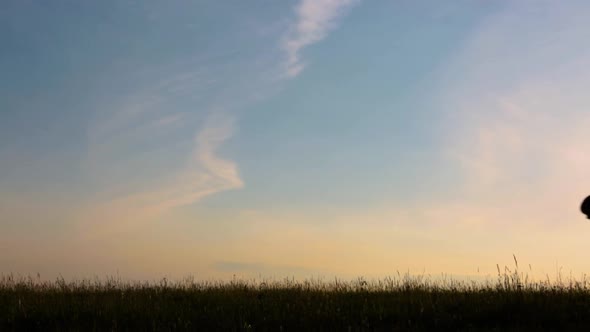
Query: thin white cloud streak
[
  {"x": 210, "y": 174},
  {"x": 205, "y": 174},
  {"x": 141, "y": 117},
  {"x": 148, "y": 106},
  {"x": 314, "y": 20},
  {"x": 139, "y": 128}
]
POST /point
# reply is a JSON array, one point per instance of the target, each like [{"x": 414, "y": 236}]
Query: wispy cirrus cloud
[
  {"x": 149, "y": 153},
  {"x": 146, "y": 121},
  {"x": 314, "y": 20},
  {"x": 205, "y": 174}
]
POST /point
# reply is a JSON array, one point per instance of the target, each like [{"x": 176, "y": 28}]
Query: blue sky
[{"x": 336, "y": 137}]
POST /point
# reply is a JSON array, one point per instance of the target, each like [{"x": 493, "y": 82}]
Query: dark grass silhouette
[{"x": 404, "y": 303}]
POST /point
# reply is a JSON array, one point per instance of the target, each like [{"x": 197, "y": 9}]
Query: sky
[{"x": 296, "y": 138}]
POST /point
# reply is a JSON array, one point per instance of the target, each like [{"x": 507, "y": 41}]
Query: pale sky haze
[{"x": 297, "y": 138}]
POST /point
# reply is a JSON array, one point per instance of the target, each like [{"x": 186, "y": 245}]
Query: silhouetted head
[{"x": 586, "y": 207}]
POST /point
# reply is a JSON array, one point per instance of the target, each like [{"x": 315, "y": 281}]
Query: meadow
[{"x": 512, "y": 302}]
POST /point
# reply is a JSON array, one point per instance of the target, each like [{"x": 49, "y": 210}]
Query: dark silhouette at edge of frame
[{"x": 586, "y": 207}]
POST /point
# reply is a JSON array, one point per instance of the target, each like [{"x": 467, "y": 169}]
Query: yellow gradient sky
[{"x": 309, "y": 138}]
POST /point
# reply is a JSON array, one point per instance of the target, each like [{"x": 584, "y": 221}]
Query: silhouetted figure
[{"x": 586, "y": 207}]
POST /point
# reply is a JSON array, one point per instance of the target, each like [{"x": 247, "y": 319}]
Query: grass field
[{"x": 401, "y": 303}]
